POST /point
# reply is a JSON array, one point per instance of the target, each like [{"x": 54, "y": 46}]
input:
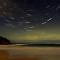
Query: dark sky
[{"x": 30, "y": 19}]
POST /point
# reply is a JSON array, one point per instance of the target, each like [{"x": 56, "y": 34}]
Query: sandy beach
[{"x": 29, "y": 53}]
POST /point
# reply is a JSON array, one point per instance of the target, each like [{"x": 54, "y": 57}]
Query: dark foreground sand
[{"x": 29, "y": 53}]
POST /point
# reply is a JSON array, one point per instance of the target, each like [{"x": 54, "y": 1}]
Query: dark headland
[{"x": 4, "y": 41}]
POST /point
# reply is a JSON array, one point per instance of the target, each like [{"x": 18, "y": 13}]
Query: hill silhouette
[{"x": 4, "y": 41}]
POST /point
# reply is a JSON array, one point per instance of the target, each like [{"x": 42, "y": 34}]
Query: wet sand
[
  {"x": 29, "y": 53},
  {"x": 4, "y": 55}
]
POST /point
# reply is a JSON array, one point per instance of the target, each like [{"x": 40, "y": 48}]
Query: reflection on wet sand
[{"x": 4, "y": 55}]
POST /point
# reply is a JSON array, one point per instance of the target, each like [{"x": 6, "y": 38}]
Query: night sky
[{"x": 31, "y": 20}]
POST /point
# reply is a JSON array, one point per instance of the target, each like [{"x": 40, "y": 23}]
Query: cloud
[
  {"x": 9, "y": 25},
  {"x": 44, "y": 23}
]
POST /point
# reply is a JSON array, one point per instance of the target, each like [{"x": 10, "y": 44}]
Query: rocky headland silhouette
[{"x": 4, "y": 41}]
